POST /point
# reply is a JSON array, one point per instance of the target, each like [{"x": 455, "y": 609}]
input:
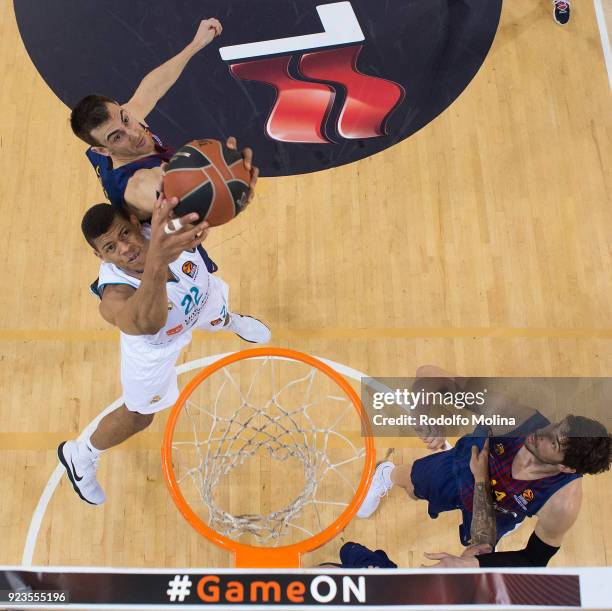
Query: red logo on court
[{"x": 302, "y": 107}]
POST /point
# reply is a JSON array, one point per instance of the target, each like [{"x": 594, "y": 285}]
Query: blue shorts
[{"x": 433, "y": 478}]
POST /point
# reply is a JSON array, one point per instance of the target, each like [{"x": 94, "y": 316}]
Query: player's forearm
[
  {"x": 536, "y": 554},
  {"x": 483, "y": 529},
  {"x": 155, "y": 85},
  {"x": 148, "y": 307},
  {"x": 142, "y": 190}
]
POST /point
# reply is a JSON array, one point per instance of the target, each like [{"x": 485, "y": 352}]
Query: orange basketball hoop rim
[{"x": 251, "y": 556}]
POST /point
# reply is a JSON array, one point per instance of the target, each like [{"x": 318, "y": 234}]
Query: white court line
[
  {"x": 56, "y": 476},
  {"x": 340, "y": 26},
  {"x": 54, "y": 480},
  {"x": 605, "y": 40}
]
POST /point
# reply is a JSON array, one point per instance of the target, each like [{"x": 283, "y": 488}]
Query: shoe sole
[
  {"x": 250, "y": 341},
  {"x": 60, "y": 455},
  {"x": 561, "y": 23}
]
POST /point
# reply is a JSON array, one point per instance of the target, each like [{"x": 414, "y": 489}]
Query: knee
[{"x": 141, "y": 421}]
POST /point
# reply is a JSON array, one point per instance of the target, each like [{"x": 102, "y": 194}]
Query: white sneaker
[
  {"x": 380, "y": 486},
  {"x": 249, "y": 329},
  {"x": 81, "y": 472}
]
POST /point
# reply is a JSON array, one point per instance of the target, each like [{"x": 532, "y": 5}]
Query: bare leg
[
  {"x": 118, "y": 426},
  {"x": 400, "y": 476}
]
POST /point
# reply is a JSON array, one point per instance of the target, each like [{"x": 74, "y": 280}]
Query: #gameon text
[
  {"x": 322, "y": 589},
  {"x": 411, "y": 398}
]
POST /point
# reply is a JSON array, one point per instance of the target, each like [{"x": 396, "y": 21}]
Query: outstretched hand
[
  {"x": 433, "y": 437},
  {"x": 167, "y": 244},
  {"x": 450, "y": 561},
  {"x": 207, "y": 31},
  {"x": 247, "y": 157}
]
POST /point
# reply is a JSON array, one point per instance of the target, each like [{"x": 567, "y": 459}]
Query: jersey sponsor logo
[
  {"x": 174, "y": 330},
  {"x": 526, "y": 497},
  {"x": 155, "y": 399},
  {"x": 170, "y": 305},
  {"x": 216, "y": 322},
  {"x": 499, "y": 496},
  {"x": 499, "y": 449},
  {"x": 190, "y": 269},
  {"x": 313, "y": 84}
]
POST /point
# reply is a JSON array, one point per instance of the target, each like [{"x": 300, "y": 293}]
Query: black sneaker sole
[{"x": 60, "y": 455}]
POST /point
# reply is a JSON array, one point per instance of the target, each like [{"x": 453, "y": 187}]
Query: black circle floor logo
[{"x": 309, "y": 84}]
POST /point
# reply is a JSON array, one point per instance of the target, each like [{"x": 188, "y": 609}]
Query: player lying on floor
[
  {"x": 535, "y": 469},
  {"x": 126, "y": 156},
  {"x": 155, "y": 287}
]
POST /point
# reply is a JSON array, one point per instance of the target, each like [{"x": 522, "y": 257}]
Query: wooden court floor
[{"x": 481, "y": 244}]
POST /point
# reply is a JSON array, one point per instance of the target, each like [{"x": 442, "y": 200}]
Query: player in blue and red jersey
[
  {"x": 126, "y": 156},
  {"x": 535, "y": 469}
]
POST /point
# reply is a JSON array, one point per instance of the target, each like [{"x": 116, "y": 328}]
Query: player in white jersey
[{"x": 155, "y": 287}]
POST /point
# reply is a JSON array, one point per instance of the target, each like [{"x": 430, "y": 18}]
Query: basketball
[{"x": 208, "y": 178}]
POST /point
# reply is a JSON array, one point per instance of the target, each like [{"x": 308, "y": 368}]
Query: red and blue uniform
[
  {"x": 114, "y": 180},
  {"x": 445, "y": 480}
]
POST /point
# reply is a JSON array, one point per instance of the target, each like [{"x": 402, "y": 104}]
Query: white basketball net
[{"x": 244, "y": 424}]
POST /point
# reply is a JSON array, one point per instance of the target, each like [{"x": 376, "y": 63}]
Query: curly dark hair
[
  {"x": 587, "y": 446},
  {"x": 88, "y": 114}
]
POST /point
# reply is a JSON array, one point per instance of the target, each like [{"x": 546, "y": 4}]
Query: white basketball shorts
[{"x": 148, "y": 374}]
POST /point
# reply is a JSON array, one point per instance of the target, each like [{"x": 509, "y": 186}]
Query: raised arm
[
  {"x": 144, "y": 311},
  {"x": 143, "y": 187},
  {"x": 435, "y": 379},
  {"x": 155, "y": 84},
  {"x": 141, "y": 191},
  {"x": 483, "y": 533},
  {"x": 554, "y": 520},
  {"x": 483, "y": 528}
]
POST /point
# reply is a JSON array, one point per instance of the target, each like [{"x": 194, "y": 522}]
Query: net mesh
[{"x": 268, "y": 451}]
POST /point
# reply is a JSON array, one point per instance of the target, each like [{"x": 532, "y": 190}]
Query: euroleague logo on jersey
[
  {"x": 190, "y": 269},
  {"x": 308, "y": 84}
]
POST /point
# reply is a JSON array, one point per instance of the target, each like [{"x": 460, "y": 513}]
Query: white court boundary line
[
  {"x": 605, "y": 40},
  {"x": 56, "y": 476}
]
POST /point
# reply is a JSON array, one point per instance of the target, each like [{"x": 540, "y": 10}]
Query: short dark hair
[
  {"x": 98, "y": 220},
  {"x": 88, "y": 114},
  {"x": 587, "y": 446}
]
